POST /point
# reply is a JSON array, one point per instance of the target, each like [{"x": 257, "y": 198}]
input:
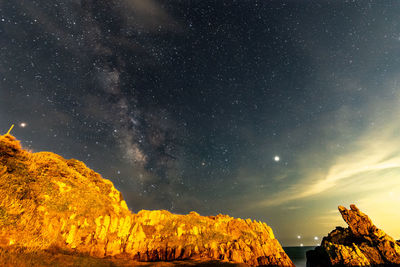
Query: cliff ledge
[{"x": 53, "y": 205}]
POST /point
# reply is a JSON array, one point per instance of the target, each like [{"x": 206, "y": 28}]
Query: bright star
[
  {"x": 23, "y": 124},
  {"x": 316, "y": 238},
  {"x": 298, "y": 237},
  {"x": 277, "y": 158}
]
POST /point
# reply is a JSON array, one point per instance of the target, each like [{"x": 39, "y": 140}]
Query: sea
[{"x": 298, "y": 255}]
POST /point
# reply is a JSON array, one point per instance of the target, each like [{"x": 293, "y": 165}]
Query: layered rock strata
[
  {"x": 361, "y": 244},
  {"x": 50, "y": 203}
]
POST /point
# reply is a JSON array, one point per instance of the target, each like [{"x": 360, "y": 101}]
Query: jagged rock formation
[
  {"x": 361, "y": 244},
  {"x": 50, "y": 203}
]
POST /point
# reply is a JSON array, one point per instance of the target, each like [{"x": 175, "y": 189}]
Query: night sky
[{"x": 275, "y": 110}]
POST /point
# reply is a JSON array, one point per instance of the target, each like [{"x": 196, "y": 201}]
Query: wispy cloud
[{"x": 375, "y": 152}]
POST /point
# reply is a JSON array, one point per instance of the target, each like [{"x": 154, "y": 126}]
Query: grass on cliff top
[{"x": 30, "y": 180}]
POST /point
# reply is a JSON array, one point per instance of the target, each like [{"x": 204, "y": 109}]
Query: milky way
[{"x": 274, "y": 110}]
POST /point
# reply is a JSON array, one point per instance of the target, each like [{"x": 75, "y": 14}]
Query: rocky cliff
[
  {"x": 361, "y": 244},
  {"x": 49, "y": 203}
]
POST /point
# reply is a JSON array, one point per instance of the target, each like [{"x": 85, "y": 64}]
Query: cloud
[
  {"x": 378, "y": 206},
  {"x": 372, "y": 154},
  {"x": 328, "y": 220}
]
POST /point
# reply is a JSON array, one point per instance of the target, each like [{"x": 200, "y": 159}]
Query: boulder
[{"x": 360, "y": 244}]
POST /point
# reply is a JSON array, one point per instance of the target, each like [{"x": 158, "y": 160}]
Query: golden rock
[{"x": 53, "y": 204}]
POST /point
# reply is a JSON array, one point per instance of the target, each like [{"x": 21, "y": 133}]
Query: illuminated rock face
[
  {"x": 49, "y": 202},
  {"x": 361, "y": 244}
]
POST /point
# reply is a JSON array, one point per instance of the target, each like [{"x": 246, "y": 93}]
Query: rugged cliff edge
[
  {"x": 49, "y": 203},
  {"x": 361, "y": 244}
]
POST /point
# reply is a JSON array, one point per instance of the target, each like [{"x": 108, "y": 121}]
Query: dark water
[{"x": 298, "y": 255}]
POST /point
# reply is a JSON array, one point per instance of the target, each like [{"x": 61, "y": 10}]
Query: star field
[{"x": 274, "y": 110}]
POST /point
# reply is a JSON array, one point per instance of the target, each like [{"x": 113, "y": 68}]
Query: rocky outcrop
[
  {"x": 361, "y": 244},
  {"x": 49, "y": 203}
]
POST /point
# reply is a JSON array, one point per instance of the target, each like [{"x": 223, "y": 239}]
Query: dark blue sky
[{"x": 185, "y": 104}]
